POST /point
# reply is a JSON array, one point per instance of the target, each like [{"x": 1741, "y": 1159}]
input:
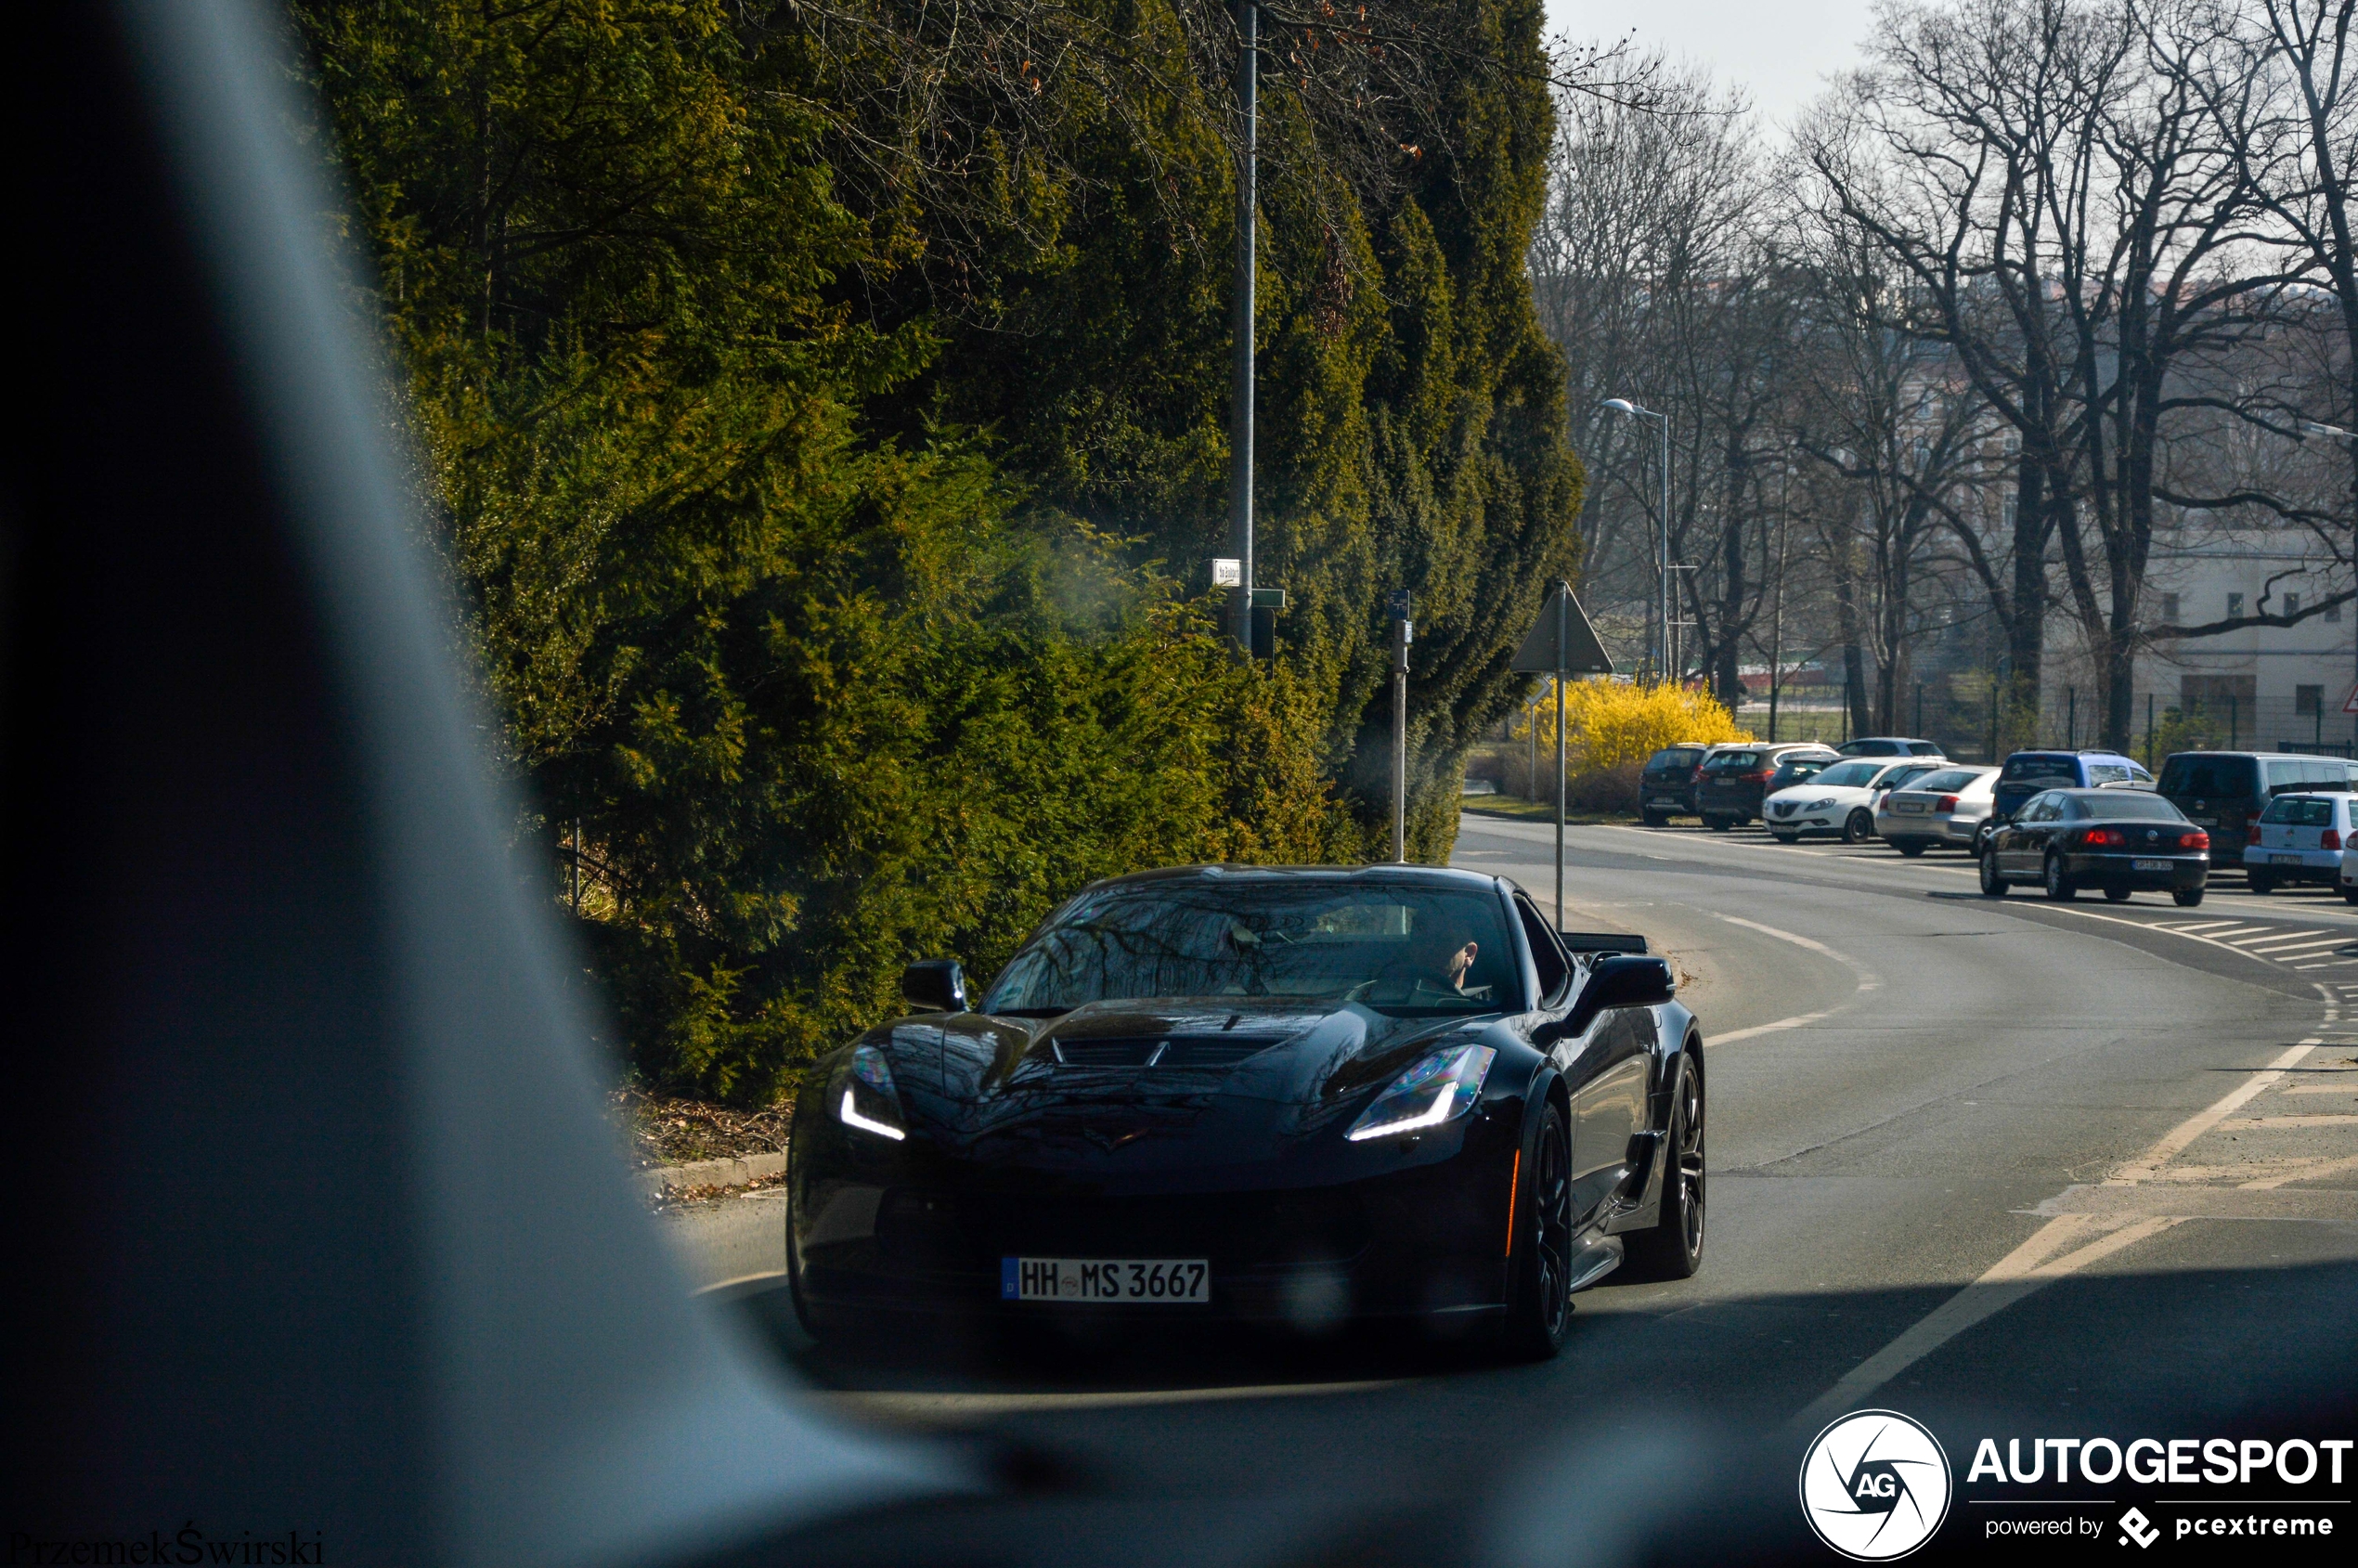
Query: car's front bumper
[
  {"x": 1426, "y": 1241},
  {"x": 2175, "y": 874}
]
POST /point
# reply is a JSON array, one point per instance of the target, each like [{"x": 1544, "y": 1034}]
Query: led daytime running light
[
  {"x": 869, "y": 1065},
  {"x": 1452, "y": 1079},
  {"x": 851, "y": 1118}
]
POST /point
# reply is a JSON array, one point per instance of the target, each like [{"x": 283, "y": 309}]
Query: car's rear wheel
[
  {"x": 1540, "y": 1308},
  {"x": 1911, "y": 848},
  {"x": 2116, "y": 895},
  {"x": 1992, "y": 884},
  {"x": 1857, "y": 827},
  {"x": 1719, "y": 824},
  {"x": 1656, "y": 818},
  {"x": 2058, "y": 882},
  {"x": 2350, "y": 895},
  {"x": 2187, "y": 898},
  {"x": 1673, "y": 1248},
  {"x": 2261, "y": 881}
]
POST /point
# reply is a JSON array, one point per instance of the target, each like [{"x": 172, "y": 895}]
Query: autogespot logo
[{"x": 1875, "y": 1485}]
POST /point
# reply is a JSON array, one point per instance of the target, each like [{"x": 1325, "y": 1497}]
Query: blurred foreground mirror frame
[{"x": 320, "y": 1229}]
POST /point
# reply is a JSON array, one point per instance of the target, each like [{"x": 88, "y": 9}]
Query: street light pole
[
  {"x": 1662, "y": 562},
  {"x": 1241, "y": 390}
]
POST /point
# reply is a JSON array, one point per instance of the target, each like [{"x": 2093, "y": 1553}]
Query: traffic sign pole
[{"x": 1561, "y": 643}]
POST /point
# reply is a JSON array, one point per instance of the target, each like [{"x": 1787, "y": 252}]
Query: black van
[{"x": 2225, "y": 791}]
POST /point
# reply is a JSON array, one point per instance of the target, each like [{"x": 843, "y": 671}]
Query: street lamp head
[
  {"x": 1619, "y": 404},
  {"x": 2312, "y": 427}
]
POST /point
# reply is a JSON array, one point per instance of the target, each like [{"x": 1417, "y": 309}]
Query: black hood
[{"x": 1147, "y": 1081}]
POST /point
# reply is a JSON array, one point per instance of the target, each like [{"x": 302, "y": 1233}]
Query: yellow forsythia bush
[{"x": 1611, "y": 727}]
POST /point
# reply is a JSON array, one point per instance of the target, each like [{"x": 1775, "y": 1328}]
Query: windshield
[
  {"x": 1397, "y": 948},
  {"x": 1674, "y": 756},
  {"x": 2210, "y": 778},
  {"x": 1852, "y": 774},
  {"x": 2029, "y": 767},
  {"x": 2131, "y": 805},
  {"x": 1953, "y": 778}
]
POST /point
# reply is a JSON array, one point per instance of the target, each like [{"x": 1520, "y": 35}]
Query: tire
[
  {"x": 1784, "y": 838},
  {"x": 2187, "y": 898},
  {"x": 1673, "y": 1248},
  {"x": 1540, "y": 1310},
  {"x": 2261, "y": 881},
  {"x": 1720, "y": 824},
  {"x": 1992, "y": 884},
  {"x": 2350, "y": 895},
  {"x": 1857, "y": 827},
  {"x": 2060, "y": 887},
  {"x": 1656, "y": 818},
  {"x": 1911, "y": 848},
  {"x": 2116, "y": 895}
]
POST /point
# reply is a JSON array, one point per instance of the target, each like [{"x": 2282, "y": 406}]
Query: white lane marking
[
  {"x": 920, "y": 1403},
  {"x": 2152, "y": 926},
  {"x": 2023, "y": 1271},
  {"x": 1797, "y": 1021},
  {"x": 2018, "y": 1275},
  {"x": 2306, "y": 949},
  {"x": 2202, "y": 925},
  {"x": 1868, "y": 978},
  {"x": 2255, "y": 944}
]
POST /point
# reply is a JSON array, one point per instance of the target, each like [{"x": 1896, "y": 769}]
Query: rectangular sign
[{"x": 1170, "y": 1281}]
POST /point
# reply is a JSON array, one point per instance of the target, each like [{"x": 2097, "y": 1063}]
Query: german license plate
[
  {"x": 2149, "y": 866},
  {"x": 2204, "y": 822},
  {"x": 1913, "y": 807},
  {"x": 1166, "y": 1281},
  {"x": 1667, "y": 800}
]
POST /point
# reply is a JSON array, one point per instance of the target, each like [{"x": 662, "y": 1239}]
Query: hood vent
[{"x": 1171, "y": 1050}]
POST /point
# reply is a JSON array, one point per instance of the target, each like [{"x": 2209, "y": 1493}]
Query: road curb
[{"x": 710, "y": 1173}]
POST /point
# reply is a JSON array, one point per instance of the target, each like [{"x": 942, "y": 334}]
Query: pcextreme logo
[{"x": 1875, "y": 1485}]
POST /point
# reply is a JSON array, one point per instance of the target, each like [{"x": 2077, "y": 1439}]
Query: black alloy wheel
[
  {"x": 2187, "y": 898},
  {"x": 1673, "y": 1248},
  {"x": 1992, "y": 884},
  {"x": 1857, "y": 827},
  {"x": 1540, "y": 1308},
  {"x": 2059, "y": 886}
]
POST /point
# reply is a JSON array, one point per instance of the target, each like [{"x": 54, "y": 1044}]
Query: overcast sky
[{"x": 1780, "y": 49}]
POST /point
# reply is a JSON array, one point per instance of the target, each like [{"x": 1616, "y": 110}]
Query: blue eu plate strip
[{"x": 1009, "y": 1289}]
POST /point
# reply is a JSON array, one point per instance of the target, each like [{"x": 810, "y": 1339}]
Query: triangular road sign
[
  {"x": 2350, "y": 702},
  {"x": 1562, "y": 642}
]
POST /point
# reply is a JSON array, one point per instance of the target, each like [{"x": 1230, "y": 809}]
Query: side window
[
  {"x": 1545, "y": 957},
  {"x": 2283, "y": 773},
  {"x": 2071, "y": 811},
  {"x": 2046, "y": 809}
]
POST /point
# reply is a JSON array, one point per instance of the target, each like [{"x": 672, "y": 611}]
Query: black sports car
[{"x": 1288, "y": 1094}]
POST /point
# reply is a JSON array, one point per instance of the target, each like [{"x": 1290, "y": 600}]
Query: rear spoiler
[{"x": 1603, "y": 941}]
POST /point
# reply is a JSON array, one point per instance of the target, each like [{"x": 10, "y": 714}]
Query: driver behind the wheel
[{"x": 1442, "y": 959}]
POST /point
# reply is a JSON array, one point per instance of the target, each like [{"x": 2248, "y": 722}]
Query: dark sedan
[
  {"x": 2121, "y": 841},
  {"x": 1293, "y": 1095}
]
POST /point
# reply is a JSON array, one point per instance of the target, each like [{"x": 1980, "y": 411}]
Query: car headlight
[
  {"x": 1441, "y": 1088},
  {"x": 866, "y": 1097},
  {"x": 1819, "y": 805}
]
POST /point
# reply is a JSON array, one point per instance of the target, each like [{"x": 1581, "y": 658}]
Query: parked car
[
  {"x": 1666, "y": 785},
  {"x": 2226, "y": 791},
  {"x": 1734, "y": 780},
  {"x": 2120, "y": 840},
  {"x": 1890, "y": 746},
  {"x": 1947, "y": 806},
  {"x": 2027, "y": 773},
  {"x": 1797, "y": 766},
  {"x": 2298, "y": 839},
  {"x": 1841, "y": 799}
]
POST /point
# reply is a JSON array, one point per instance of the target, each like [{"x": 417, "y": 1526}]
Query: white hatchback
[
  {"x": 2301, "y": 839},
  {"x": 1842, "y": 799}
]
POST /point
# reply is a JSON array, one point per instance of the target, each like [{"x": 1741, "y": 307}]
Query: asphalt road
[{"x": 2045, "y": 1165}]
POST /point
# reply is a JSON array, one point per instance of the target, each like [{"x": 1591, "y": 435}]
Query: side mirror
[
  {"x": 934, "y": 985},
  {"x": 1615, "y": 982}
]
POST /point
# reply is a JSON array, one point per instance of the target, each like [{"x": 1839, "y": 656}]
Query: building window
[
  {"x": 2306, "y": 700},
  {"x": 2234, "y": 605},
  {"x": 2332, "y": 615},
  {"x": 2292, "y": 604},
  {"x": 2006, "y": 509},
  {"x": 2169, "y": 609}
]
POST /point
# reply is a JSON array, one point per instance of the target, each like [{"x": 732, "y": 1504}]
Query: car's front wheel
[
  {"x": 1857, "y": 827},
  {"x": 1673, "y": 1248},
  {"x": 1992, "y": 884},
  {"x": 1784, "y": 838},
  {"x": 1539, "y": 1310}
]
